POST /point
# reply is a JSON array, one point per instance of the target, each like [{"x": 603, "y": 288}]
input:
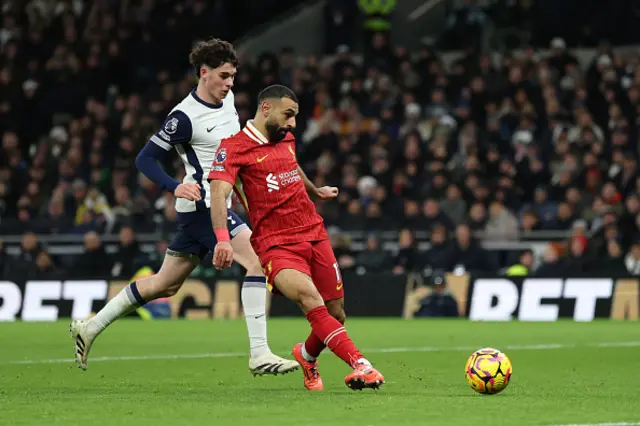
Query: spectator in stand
[
  {"x": 614, "y": 262},
  {"x": 440, "y": 303},
  {"x": 440, "y": 255},
  {"x": 45, "y": 269},
  {"x": 398, "y": 132},
  {"x": 627, "y": 222},
  {"x": 524, "y": 267},
  {"x": 373, "y": 258},
  {"x": 468, "y": 255},
  {"x": 54, "y": 221},
  {"x": 502, "y": 224},
  {"x": 454, "y": 206},
  {"x": 579, "y": 262},
  {"x": 432, "y": 216},
  {"x": 94, "y": 262},
  {"x": 544, "y": 209},
  {"x": 407, "y": 260},
  {"x": 123, "y": 208},
  {"x": 342, "y": 250},
  {"x": 128, "y": 258},
  {"x": 607, "y": 229},
  {"x": 477, "y": 217},
  {"x": 564, "y": 218},
  {"x": 632, "y": 259},
  {"x": 529, "y": 222},
  {"x": 560, "y": 58},
  {"x": 29, "y": 251},
  {"x": 553, "y": 265},
  {"x": 353, "y": 218}
]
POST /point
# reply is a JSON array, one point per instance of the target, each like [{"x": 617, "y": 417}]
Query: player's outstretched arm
[
  {"x": 314, "y": 192},
  {"x": 147, "y": 162},
  {"x": 223, "y": 252},
  {"x": 177, "y": 129}
]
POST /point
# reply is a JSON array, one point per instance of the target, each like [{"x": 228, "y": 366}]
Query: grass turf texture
[{"x": 576, "y": 381}]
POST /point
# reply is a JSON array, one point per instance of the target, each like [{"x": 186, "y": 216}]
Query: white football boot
[
  {"x": 83, "y": 341},
  {"x": 271, "y": 364}
]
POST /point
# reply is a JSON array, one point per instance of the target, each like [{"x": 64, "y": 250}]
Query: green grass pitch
[{"x": 195, "y": 373}]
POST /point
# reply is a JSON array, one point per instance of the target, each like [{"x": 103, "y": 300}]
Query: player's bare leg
[
  {"x": 299, "y": 288},
  {"x": 254, "y": 300},
  {"x": 307, "y": 353},
  {"x": 176, "y": 267}
]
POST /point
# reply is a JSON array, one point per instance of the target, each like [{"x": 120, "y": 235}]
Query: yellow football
[{"x": 488, "y": 371}]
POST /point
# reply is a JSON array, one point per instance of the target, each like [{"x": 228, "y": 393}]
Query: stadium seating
[{"x": 518, "y": 149}]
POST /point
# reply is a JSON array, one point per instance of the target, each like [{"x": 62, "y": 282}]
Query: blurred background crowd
[{"x": 435, "y": 153}]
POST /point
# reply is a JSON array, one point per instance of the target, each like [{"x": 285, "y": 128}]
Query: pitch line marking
[
  {"x": 603, "y": 424},
  {"x": 378, "y": 350}
]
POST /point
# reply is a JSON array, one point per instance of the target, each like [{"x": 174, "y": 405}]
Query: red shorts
[{"x": 315, "y": 259}]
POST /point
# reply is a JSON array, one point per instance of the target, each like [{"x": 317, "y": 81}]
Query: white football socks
[
  {"x": 254, "y": 300},
  {"x": 124, "y": 302}
]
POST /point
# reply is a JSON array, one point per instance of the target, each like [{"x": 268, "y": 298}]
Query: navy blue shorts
[{"x": 195, "y": 233}]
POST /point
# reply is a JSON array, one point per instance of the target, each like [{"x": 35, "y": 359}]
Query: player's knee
[
  {"x": 337, "y": 311},
  {"x": 175, "y": 269},
  {"x": 166, "y": 285},
  {"x": 310, "y": 299},
  {"x": 171, "y": 290},
  {"x": 340, "y": 315},
  {"x": 165, "y": 289},
  {"x": 254, "y": 269}
]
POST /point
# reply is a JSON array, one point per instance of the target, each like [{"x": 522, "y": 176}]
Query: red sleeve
[{"x": 227, "y": 162}]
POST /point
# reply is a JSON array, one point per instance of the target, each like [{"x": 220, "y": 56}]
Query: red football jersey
[{"x": 266, "y": 179}]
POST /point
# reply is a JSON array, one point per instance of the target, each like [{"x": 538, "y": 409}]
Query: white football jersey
[{"x": 195, "y": 128}]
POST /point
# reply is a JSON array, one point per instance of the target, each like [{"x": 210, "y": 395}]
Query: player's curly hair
[{"x": 213, "y": 53}]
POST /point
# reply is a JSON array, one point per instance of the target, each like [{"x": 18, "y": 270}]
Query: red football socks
[
  {"x": 331, "y": 333},
  {"x": 313, "y": 345}
]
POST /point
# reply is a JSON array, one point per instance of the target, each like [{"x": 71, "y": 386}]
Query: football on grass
[{"x": 488, "y": 371}]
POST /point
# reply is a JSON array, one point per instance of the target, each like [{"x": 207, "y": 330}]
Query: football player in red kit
[{"x": 289, "y": 236}]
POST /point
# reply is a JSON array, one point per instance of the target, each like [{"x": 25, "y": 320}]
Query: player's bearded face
[
  {"x": 275, "y": 131},
  {"x": 281, "y": 118}
]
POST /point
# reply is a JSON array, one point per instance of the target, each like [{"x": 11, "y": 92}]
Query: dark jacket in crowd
[
  {"x": 551, "y": 269},
  {"x": 95, "y": 263},
  {"x": 409, "y": 258},
  {"x": 474, "y": 258},
  {"x": 127, "y": 260},
  {"x": 440, "y": 256},
  {"x": 376, "y": 260},
  {"x": 580, "y": 265},
  {"x": 438, "y": 304}
]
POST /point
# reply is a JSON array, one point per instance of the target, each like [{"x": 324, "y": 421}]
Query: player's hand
[
  {"x": 188, "y": 191},
  {"x": 327, "y": 192},
  {"x": 223, "y": 255}
]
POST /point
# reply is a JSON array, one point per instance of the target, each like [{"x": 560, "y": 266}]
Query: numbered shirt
[{"x": 266, "y": 180}]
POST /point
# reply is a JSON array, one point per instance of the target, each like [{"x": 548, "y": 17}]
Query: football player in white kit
[{"x": 195, "y": 128}]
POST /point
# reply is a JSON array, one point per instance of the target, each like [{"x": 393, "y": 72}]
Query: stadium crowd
[{"x": 483, "y": 149}]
